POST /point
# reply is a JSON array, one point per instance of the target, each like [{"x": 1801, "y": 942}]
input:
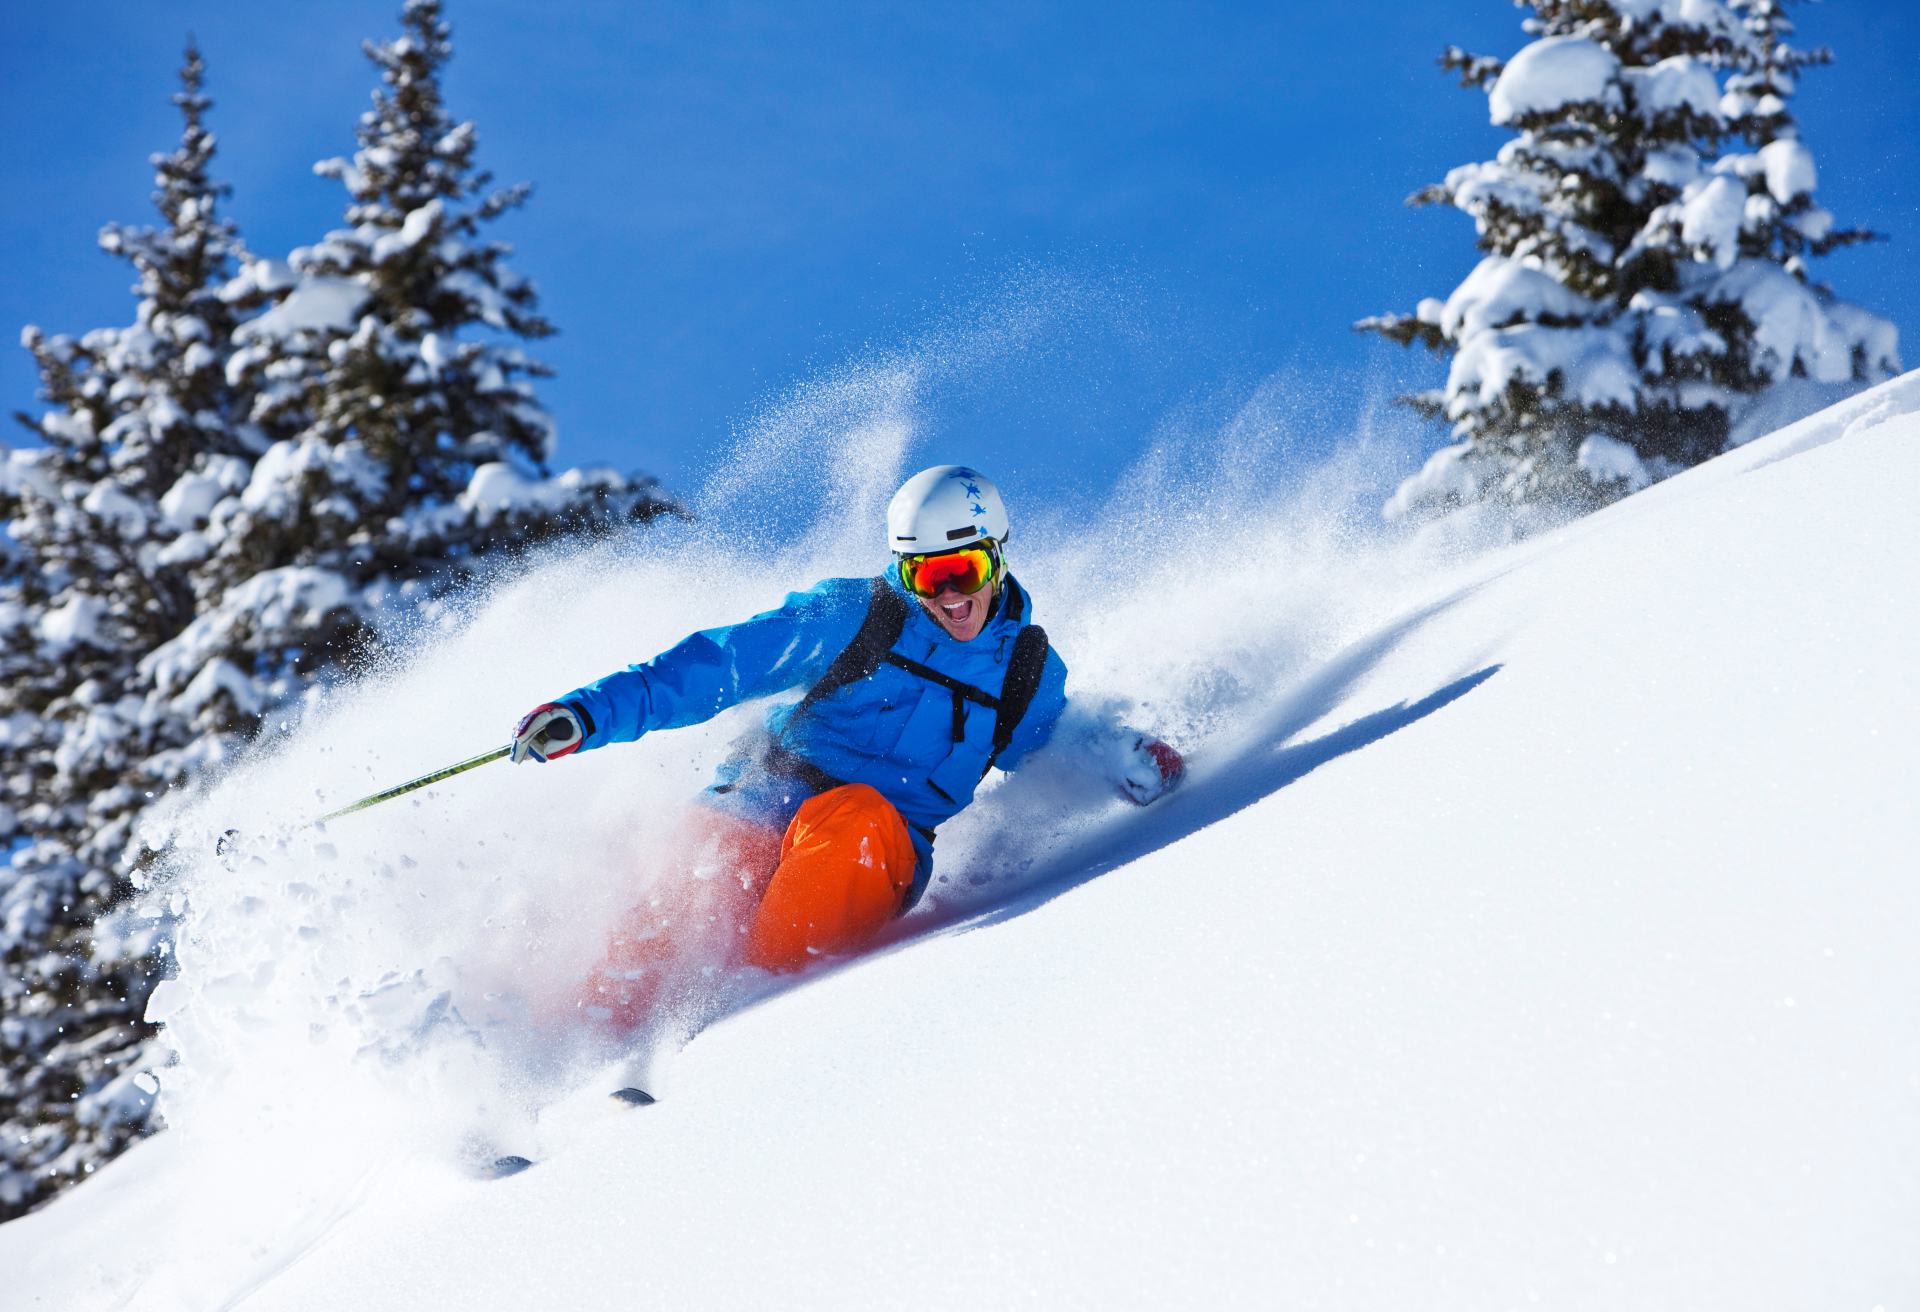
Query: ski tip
[
  {"x": 502, "y": 1167},
  {"x": 633, "y": 1097}
]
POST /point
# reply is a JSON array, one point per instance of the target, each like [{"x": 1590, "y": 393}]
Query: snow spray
[{"x": 386, "y": 989}]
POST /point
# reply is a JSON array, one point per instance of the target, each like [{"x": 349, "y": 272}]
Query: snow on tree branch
[{"x": 1646, "y": 235}]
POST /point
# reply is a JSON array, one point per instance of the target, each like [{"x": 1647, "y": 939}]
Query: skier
[{"x": 821, "y": 824}]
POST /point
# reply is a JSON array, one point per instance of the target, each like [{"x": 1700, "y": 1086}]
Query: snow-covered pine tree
[
  {"x": 229, "y": 500},
  {"x": 1644, "y": 287},
  {"x": 411, "y": 442},
  {"x": 1781, "y": 223},
  {"x": 99, "y": 515}
]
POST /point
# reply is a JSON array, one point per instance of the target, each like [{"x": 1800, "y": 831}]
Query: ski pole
[
  {"x": 548, "y": 738},
  {"x": 412, "y": 784},
  {"x": 227, "y": 846}
]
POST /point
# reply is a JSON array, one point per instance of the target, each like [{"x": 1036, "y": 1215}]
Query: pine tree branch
[
  {"x": 1405, "y": 329},
  {"x": 1475, "y": 71}
]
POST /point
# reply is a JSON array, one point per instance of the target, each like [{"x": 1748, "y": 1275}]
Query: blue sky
[{"x": 1178, "y": 200}]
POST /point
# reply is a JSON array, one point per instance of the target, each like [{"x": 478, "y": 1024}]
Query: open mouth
[{"x": 958, "y": 611}]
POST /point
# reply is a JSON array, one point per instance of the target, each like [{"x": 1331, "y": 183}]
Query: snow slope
[{"x": 1536, "y": 930}]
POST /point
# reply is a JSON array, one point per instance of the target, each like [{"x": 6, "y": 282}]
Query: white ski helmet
[{"x": 945, "y": 507}]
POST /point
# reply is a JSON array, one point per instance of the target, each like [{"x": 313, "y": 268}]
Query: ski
[{"x": 500, "y": 1168}]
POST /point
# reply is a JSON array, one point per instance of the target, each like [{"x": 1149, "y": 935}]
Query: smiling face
[{"x": 961, "y": 614}]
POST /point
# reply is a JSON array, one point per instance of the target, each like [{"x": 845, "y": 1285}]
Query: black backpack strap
[
  {"x": 962, "y": 692},
  {"x": 1028, "y": 663},
  {"x": 886, "y": 616}
]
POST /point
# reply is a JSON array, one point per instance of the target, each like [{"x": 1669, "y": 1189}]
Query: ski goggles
[{"x": 969, "y": 569}]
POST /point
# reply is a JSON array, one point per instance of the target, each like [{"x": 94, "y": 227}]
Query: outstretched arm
[
  {"x": 1090, "y": 742},
  {"x": 1137, "y": 765},
  {"x": 714, "y": 669}
]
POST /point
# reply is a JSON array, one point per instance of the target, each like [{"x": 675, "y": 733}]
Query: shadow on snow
[{"x": 1257, "y": 772}]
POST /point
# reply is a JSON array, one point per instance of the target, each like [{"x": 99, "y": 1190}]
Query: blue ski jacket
[{"x": 897, "y": 731}]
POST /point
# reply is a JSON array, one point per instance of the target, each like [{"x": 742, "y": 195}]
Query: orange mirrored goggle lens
[{"x": 966, "y": 570}]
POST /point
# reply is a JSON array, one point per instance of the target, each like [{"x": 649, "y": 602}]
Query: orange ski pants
[
  {"x": 739, "y": 891},
  {"x": 846, "y": 864}
]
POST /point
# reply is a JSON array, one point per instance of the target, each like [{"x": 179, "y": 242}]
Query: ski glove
[
  {"x": 546, "y": 732},
  {"x": 1146, "y": 768}
]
